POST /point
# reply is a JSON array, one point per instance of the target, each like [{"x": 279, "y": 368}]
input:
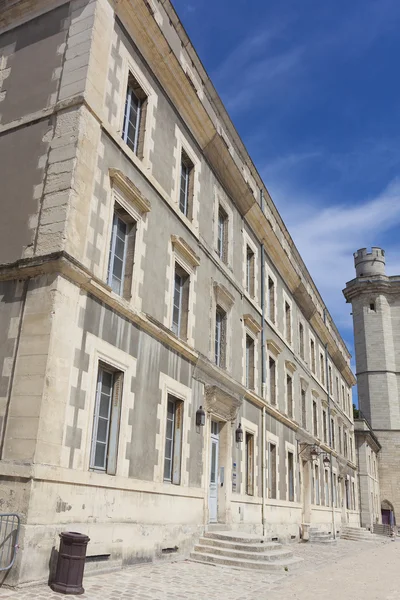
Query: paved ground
[{"x": 348, "y": 570}]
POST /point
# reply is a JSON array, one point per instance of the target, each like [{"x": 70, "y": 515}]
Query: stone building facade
[
  {"x": 145, "y": 273},
  {"x": 375, "y": 300}
]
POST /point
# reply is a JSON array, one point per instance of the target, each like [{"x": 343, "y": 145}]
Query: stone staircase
[
  {"x": 316, "y": 536},
  {"x": 358, "y": 534},
  {"x": 243, "y": 551}
]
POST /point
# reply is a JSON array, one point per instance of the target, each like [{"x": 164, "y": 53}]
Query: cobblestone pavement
[{"x": 353, "y": 570}]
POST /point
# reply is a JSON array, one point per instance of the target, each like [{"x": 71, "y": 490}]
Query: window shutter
[{"x": 115, "y": 424}]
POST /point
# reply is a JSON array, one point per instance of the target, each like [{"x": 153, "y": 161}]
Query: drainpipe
[
  {"x": 263, "y": 374},
  {"x": 330, "y": 432}
]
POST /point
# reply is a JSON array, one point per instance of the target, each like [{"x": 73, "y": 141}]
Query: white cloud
[{"x": 326, "y": 238}]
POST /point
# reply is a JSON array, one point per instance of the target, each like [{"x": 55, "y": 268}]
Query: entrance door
[{"x": 213, "y": 490}]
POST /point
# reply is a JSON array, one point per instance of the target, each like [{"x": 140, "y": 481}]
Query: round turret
[{"x": 369, "y": 263}]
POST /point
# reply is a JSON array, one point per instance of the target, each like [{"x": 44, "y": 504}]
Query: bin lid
[{"x": 74, "y": 536}]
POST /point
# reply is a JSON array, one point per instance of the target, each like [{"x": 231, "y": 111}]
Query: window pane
[
  {"x": 100, "y": 456},
  {"x": 167, "y": 469},
  {"x": 213, "y": 462},
  {"x": 118, "y": 267},
  {"x": 106, "y": 382},
  {"x": 102, "y": 430},
  {"x": 104, "y": 406}
]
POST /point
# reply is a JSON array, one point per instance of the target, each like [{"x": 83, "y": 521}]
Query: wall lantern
[
  {"x": 239, "y": 434},
  {"x": 314, "y": 453},
  {"x": 200, "y": 417},
  {"x": 326, "y": 461}
]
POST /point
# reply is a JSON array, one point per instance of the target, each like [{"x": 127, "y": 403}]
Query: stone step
[
  {"x": 240, "y": 563},
  {"x": 235, "y": 536},
  {"x": 242, "y": 555},
  {"x": 260, "y": 547}
]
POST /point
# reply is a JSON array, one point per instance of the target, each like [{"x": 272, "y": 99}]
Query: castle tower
[{"x": 375, "y": 300}]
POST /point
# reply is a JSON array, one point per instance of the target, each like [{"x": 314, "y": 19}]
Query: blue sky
[{"x": 314, "y": 90}]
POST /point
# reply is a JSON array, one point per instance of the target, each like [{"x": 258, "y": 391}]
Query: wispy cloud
[{"x": 327, "y": 237}]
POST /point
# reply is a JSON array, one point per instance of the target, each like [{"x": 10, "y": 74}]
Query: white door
[{"x": 213, "y": 490}]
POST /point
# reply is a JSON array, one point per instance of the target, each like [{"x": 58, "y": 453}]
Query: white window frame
[
  {"x": 248, "y": 242},
  {"x": 273, "y": 351},
  {"x": 221, "y": 201},
  {"x": 302, "y": 323},
  {"x": 287, "y": 300},
  {"x": 315, "y": 398},
  {"x": 327, "y": 487},
  {"x": 130, "y": 67},
  {"x": 269, "y": 274},
  {"x": 290, "y": 369},
  {"x": 183, "y": 144},
  {"x": 252, "y": 429},
  {"x": 221, "y": 297},
  {"x": 272, "y": 439},
  {"x": 125, "y": 195},
  {"x": 311, "y": 338},
  {"x": 290, "y": 448}
]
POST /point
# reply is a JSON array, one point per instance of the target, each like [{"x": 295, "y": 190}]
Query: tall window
[
  {"x": 337, "y": 391},
  {"x": 330, "y": 380},
  {"x": 249, "y": 362},
  {"x": 335, "y": 502},
  {"x": 220, "y": 337},
  {"x": 106, "y": 420},
  {"x": 173, "y": 440},
  {"x": 180, "y": 302},
  {"x": 353, "y": 487},
  {"x": 333, "y": 434},
  {"x": 249, "y": 464},
  {"x": 272, "y": 381},
  {"x": 312, "y": 355},
  {"x": 316, "y": 484},
  {"x": 272, "y": 487},
  {"x": 288, "y": 322},
  {"x": 186, "y": 185},
  {"x": 301, "y": 340},
  {"x": 250, "y": 271},
  {"x": 340, "y": 439},
  {"x": 343, "y": 399},
  {"x": 222, "y": 239},
  {"x": 326, "y": 488},
  {"x": 324, "y": 425},
  {"x": 303, "y": 409},
  {"x": 345, "y": 444},
  {"x": 289, "y": 395},
  {"x": 134, "y": 116},
  {"x": 322, "y": 368},
  {"x": 271, "y": 299},
  {"x": 290, "y": 477},
  {"x": 315, "y": 418},
  {"x": 122, "y": 247}
]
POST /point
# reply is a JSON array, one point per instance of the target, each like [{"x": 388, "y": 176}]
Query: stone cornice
[
  {"x": 251, "y": 324},
  {"x": 130, "y": 190},
  {"x": 185, "y": 250}
]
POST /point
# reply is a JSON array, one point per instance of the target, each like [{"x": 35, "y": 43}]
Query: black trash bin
[{"x": 71, "y": 563}]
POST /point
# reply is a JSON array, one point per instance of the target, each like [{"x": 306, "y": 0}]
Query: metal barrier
[{"x": 9, "y": 532}]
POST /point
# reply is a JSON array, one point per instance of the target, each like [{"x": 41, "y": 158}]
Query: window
[
  {"x": 312, "y": 355},
  {"x": 303, "y": 409},
  {"x": 324, "y": 425},
  {"x": 347, "y": 490},
  {"x": 186, "y": 185},
  {"x": 351, "y": 447},
  {"x": 335, "y": 502},
  {"x": 301, "y": 340},
  {"x": 288, "y": 322},
  {"x": 333, "y": 433},
  {"x": 343, "y": 399},
  {"x": 250, "y": 274},
  {"x": 249, "y": 362},
  {"x": 134, "y": 117},
  {"x": 220, "y": 337},
  {"x": 289, "y": 395},
  {"x": 326, "y": 488},
  {"x": 106, "y": 419},
  {"x": 340, "y": 438},
  {"x": 372, "y": 306},
  {"x": 271, "y": 299},
  {"x": 272, "y": 488},
  {"x": 330, "y": 380},
  {"x": 316, "y": 484},
  {"x": 122, "y": 247},
  {"x": 337, "y": 390},
  {"x": 290, "y": 477},
  {"x": 322, "y": 368},
  {"x": 222, "y": 239},
  {"x": 353, "y": 488},
  {"x": 272, "y": 381},
  {"x": 173, "y": 440},
  {"x": 315, "y": 418},
  {"x": 345, "y": 444},
  {"x": 180, "y": 306},
  {"x": 249, "y": 464}
]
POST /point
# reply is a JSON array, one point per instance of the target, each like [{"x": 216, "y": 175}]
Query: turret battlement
[{"x": 369, "y": 263}]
